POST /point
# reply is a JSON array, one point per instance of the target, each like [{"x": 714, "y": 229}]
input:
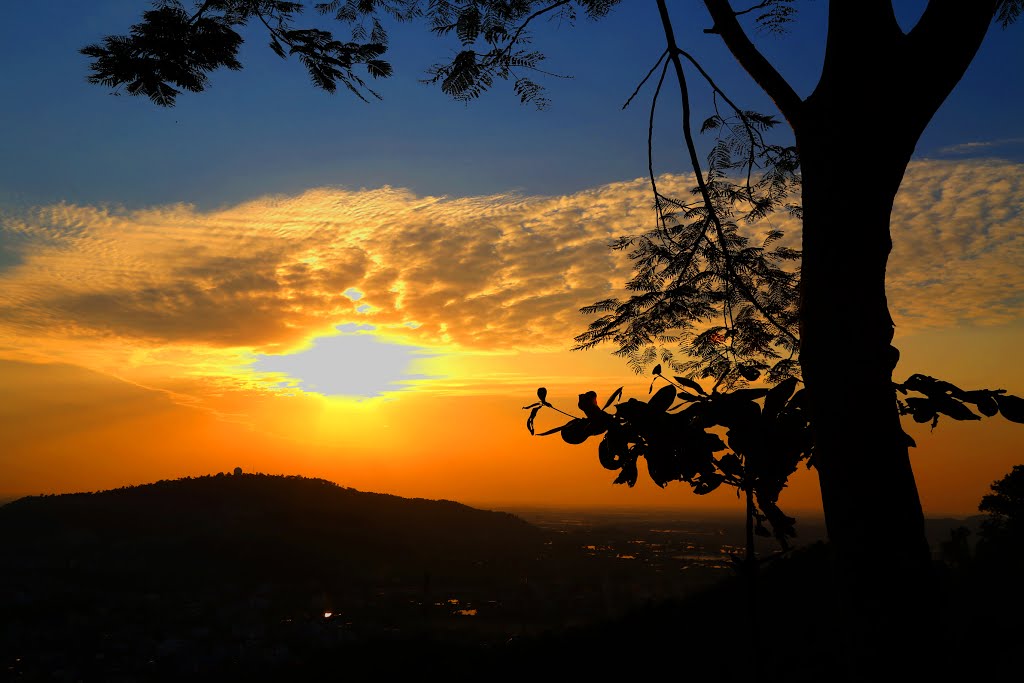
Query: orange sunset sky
[
  {"x": 172, "y": 341},
  {"x": 270, "y": 277}
]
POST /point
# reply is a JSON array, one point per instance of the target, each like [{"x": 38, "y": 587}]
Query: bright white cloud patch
[{"x": 351, "y": 364}]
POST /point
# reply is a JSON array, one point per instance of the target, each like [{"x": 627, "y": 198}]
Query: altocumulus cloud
[{"x": 267, "y": 277}]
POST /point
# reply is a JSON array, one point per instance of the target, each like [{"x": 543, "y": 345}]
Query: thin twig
[{"x": 641, "y": 84}]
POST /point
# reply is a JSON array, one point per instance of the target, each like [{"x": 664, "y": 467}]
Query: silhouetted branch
[
  {"x": 759, "y": 68},
  {"x": 691, "y": 146}
]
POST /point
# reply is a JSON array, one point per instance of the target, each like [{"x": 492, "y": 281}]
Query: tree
[
  {"x": 1001, "y": 537},
  {"x": 878, "y": 90}
]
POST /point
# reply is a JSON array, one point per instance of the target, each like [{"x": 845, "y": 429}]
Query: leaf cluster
[
  {"x": 927, "y": 398},
  {"x": 491, "y": 35},
  {"x": 774, "y": 16},
  {"x": 767, "y": 433},
  {"x": 679, "y": 432},
  {"x": 172, "y": 50}
]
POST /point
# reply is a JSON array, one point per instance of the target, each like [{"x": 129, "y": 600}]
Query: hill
[
  {"x": 210, "y": 574},
  {"x": 257, "y": 526}
]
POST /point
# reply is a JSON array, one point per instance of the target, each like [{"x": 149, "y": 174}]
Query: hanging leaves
[
  {"x": 678, "y": 442},
  {"x": 945, "y": 398},
  {"x": 768, "y": 433},
  {"x": 1011, "y": 407}
]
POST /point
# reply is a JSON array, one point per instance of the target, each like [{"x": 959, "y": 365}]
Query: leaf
[
  {"x": 278, "y": 50},
  {"x": 610, "y": 454},
  {"x": 656, "y": 370},
  {"x": 984, "y": 400},
  {"x": 1011, "y": 407},
  {"x": 691, "y": 384},
  {"x": 930, "y": 386},
  {"x": 662, "y": 399},
  {"x": 533, "y": 414},
  {"x": 588, "y": 403},
  {"x": 711, "y": 123},
  {"x": 707, "y": 483},
  {"x": 576, "y": 431},
  {"x": 551, "y": 431},
  {"x": 731, "y": 465},
  {"x": 776, "y": 399},
  {"x": 628, "y": 475},
  {"x": 948, "y": 405},
  {"x": 616, "y": 394},
  {"x": 922, "y": 409},
  {"x": 542, "y": 394}
]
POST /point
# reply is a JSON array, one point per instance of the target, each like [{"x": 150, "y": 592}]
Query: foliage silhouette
[
  {"x": 677, "y": 432},
  {"x": 1001, "y": 536}
]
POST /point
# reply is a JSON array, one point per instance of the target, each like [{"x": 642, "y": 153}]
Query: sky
[{"x": 277, "y": 278}]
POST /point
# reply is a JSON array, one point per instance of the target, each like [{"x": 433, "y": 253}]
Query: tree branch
[
  {"x": 691, "y": 147},
  {"x": 753, "y": 62},
  {"x": 199, "y": 12},
  {"x": 944, "y": 42},
  {"x": 522, "y": 26}
]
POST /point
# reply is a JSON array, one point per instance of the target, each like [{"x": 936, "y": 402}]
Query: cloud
[
  {"x": 958, "y": 246},
  {"x": 210, "y": 291},
  {"x": 478, "y": 272},
  {"x": 972, "y": 147}
]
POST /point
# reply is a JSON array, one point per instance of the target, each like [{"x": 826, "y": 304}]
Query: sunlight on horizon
[{"x": 354, "y": 363}]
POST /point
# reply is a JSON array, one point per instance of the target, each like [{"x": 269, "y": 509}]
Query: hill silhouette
[{"x": 258, "y": 526}]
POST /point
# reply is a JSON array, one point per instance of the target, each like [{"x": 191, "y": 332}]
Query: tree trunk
[
  {"x": 856, "y": 133},
  {"x": 852, "y": 171},
  {"x": 872, "y": 509}
]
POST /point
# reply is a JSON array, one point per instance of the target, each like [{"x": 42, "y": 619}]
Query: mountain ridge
[{"x": 286, "y": 524}]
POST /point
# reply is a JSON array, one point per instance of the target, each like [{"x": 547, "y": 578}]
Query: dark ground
[{"x": 541, "y": 593}]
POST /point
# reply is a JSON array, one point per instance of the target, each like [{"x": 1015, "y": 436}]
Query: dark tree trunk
[
  {"x": 872, "y": 509},
  {"x": 856, "y": 133}
]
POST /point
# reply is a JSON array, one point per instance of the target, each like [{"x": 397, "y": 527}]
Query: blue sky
[{"x": 267, "y": 130}]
